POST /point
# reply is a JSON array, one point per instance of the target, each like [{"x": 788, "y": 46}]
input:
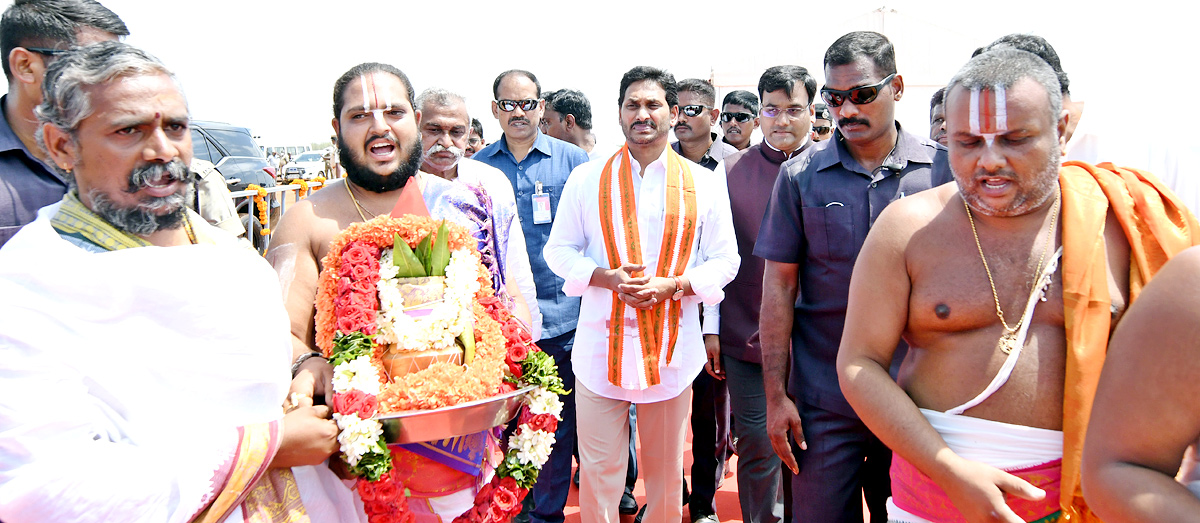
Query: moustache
[
  {"x": 437, "y": 148},
  {"x": 158, "y": 173},
  {"x": 853, "y": 120},
  {"x": 385, "y": 136},
  {"x": 518, "y": 119},
  {"x": 682, "y": 125},
  {"x": 647, "y": 122}
]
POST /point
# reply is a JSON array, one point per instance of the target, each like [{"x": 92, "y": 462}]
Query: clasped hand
[{"x": 636, "y": 289}]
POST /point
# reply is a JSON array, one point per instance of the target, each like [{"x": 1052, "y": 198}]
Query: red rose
[
  {"x": 364, "y": 300},
  {"x": 508, "y": 483},
  {"x": 363, "y": 287},
  {"x": 343, "y": 286},
  {"x": 515, "y": 369},
  {"x": 518, "y": 351},
  {"x": 344, "y": 269},
  {"x": 522, "y": 492},
  {"x": 386, "y": 490},
  {"x": 366, "y": 490},
  {"x": 375, "y": 508},
  {"x": 546, "y": 422},
  {"x": 526, "y": 417},
  {"x": 357, "y": 402},
  {"x": 505, "y": 499},
  {"x": 506, "y": 387},
  {"x": 484, "y": 494},
  {"x": 356, "y": 253},
  {"x": 362, "y": 272},
  {"x": 495, "y": 513}
]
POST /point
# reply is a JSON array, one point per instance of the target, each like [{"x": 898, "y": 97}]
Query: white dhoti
[
  {"x": 126, "y": 375},
  {"x": 1002, "y": 445}
]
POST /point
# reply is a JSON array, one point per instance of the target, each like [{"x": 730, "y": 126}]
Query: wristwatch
[{"x": 678, "y": 288}]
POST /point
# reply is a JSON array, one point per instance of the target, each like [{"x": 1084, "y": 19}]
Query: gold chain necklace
[
  {"x": 357, "y": 205},
  {"x": 1008, "y": 340}
]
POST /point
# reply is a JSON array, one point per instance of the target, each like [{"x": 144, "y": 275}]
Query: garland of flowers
[
  {"x": 347, "y": 328},
  {"x": 260, "y": 203},
  {"x": 321, "y": 181},
  {"x": 303, "y": 192}
]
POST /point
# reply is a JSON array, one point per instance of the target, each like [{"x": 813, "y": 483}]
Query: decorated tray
[{"x": 415, "y": 426}]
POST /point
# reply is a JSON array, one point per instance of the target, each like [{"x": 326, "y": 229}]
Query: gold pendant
[{"x": 1008, "y": 341}]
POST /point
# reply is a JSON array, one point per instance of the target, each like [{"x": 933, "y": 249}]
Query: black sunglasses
[
  {"x": 509, "y": 106},
  {"x": 857, "y": 96},
  {"x": 692, "y": 110},
  {"x": 740, "y": 117},
  {"x": 822, "y": 129},
  {"x": 47, "y": 51}
]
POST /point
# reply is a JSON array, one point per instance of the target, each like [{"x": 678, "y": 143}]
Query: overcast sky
[{"x": 270, "y": 65}]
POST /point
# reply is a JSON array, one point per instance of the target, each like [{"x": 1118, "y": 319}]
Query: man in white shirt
[
  {"x": 639, "y": 323},
  {"x": 445, "y": 130}
]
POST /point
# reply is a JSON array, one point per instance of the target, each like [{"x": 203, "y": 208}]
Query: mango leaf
[
  {"x": 439, "y": 258},
  {"x": 403, "y": 257},
  {"x": 423, "y": 249}
]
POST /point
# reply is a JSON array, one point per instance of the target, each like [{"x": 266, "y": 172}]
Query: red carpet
[{"x": 728, "y": 507}]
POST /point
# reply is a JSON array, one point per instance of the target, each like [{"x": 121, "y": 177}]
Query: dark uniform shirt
[
  {"x": 26, "y": 184},
  {"x": 822, "y": 206}
]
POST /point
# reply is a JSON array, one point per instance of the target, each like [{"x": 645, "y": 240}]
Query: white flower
[
  {"x": 532, "y": 446},
  {"x": 542, "y": 401},
  {"x": 359, "y": 373},
  {"x": 358, "y": 436},
  {"x": 387, "y": 268}
]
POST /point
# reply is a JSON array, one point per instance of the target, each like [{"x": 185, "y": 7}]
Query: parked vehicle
[
  {"x": 305, "y": 167},
  {"x": 233, "y": 151}
]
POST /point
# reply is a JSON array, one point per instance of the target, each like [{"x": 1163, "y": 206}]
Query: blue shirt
[
  {"x": 26, "y": 184},
  {"x": 550, "y": 161},
  {"x": 821, "y": 209}
]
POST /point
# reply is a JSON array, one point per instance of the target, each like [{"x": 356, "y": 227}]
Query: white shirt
[
  {"x": 576, "y": 248},
  {"x": 516, "y": 259}
]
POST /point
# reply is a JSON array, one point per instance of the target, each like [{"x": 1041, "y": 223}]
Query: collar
[
  {"x": 78, "y": 224},
  {"x": 909, "y": 148},
  {"x": 540, "y": 143},
  {"x": 777, "y": 156},
  {"x": 8, "y": 138},
  {"x": 706, "y": 161}
]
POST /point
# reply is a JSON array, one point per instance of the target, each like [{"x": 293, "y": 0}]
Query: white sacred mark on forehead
[
  {"x": 988, "y": 113},
  {"x": 371, "y": 100}
]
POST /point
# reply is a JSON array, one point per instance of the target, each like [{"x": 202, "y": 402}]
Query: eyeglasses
[
  {"x": 857, "y": 96},
  {"x": 792, "y": 112},
  {"x": 47, "y": 51},
  {"x": 740, "y": 117},
  {"x": 693, "y": 110},
  {"x": 509, "y": 106},
  {"x": 473, "y": 140},
  {"x": 822, "y": 129}
]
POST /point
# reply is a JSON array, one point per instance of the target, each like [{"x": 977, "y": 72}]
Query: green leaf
[
  {"x": 439, "y": 258},
  {"x": 348, "y": 347},
  {"x": 423, "y": 249},
  {"x": 405, "y": 260},
  {"x": 373, "y": 465}
]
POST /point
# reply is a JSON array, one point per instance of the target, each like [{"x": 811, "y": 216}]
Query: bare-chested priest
[
  {"x": 1005, "y": 286},
  {"x": 380, "y": 149}
]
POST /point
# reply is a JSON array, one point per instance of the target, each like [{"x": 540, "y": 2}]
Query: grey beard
[{"x": 146, "y": 217}]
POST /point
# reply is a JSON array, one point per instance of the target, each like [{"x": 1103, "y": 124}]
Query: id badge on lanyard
[{"x": 541, "y": 205}]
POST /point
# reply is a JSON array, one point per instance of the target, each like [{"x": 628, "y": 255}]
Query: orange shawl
[
  {"x": 658, "y": 327},
  {"x": 1158, "y": 226}
]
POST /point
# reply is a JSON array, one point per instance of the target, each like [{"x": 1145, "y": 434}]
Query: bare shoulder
[
  {"x": 313, "y": 221},
  {"x": 906, "y": 217}
]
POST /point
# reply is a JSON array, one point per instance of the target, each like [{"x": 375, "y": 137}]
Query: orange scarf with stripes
[{"x": 658, "y": 326}]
